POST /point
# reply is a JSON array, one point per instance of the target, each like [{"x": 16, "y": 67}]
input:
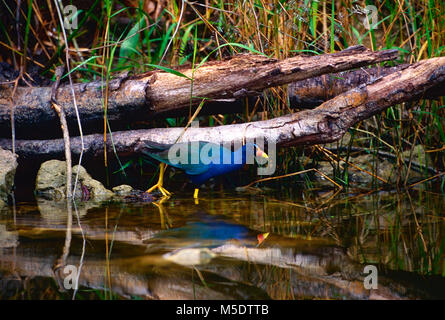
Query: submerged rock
[
  {"x": 51, "y": 180},
  {"x": 56, "y": 212},
  {"x": 141, "y": 196},
  {"x": 385, "y": 169},
  {"x": 8, "y": 239},
  {"x": 190, "y": 256},
  {"x": 8, "y": 165},
  {"x": 51, "y": 183},
  {"x": 123, "y": 190},
  {"x": 95, "y": 188}
]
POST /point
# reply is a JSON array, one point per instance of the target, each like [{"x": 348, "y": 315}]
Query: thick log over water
[
  {"x": 312, "y": 92},
  {"x": 324, "y": 124},
  {"x": 159, "y": 93}
]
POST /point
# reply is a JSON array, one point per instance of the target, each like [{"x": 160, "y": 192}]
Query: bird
[{"x": 200, "y": 160}]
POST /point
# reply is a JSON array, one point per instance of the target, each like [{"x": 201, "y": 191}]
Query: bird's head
[
  {"x": 255, "y": 150},
  {"x": 260, "y": 153}
]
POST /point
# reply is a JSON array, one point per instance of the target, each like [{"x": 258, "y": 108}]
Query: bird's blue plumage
[{"x": 200, "y": 160}]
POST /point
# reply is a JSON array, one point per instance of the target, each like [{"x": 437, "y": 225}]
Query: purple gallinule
[{"x": 200, "y": 160}]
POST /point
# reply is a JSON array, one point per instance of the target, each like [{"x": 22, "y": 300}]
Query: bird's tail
[
  {"x": 155, "y": 150},
  {"x": 151, "y": 146}
]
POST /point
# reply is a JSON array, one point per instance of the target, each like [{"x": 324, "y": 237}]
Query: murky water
[{"x": 227, "y": 246}]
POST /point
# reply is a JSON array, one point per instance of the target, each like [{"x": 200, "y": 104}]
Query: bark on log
[
  {"x": 324, "y": 124},
  {"x": 312, "y": 92},
  {"x": 161, "y": 93}
]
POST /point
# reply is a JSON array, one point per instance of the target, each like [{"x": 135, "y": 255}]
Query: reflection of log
[
  {"x": 315, "y": 268},
  {"x": 144, "y": 96},
  {"x": 144, "y": 277},
  {"x": 150, "y": 276},
  {"x": 309, "y": 269},
  {"x": 326, "y": 123}
]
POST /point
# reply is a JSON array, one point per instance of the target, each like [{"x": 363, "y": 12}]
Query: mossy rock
[
  {"x": 8, "y": 165},
  {"x": 123, "y": 190},
  {"x": 51, "y": 182}
]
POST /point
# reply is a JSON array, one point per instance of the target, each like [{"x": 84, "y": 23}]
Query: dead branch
[
  {"x": 159, "y": 93},
  {"x": 64, "y": 126},
  {"x": 324, "y": 124},
  {"x": 312, "y": 92}
]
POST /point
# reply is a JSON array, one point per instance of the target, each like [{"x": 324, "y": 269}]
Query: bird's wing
[
  {"x": 191, "y": 168},
  {"x": 213, "y": 159},
  {"x": 160, "y": 152}
]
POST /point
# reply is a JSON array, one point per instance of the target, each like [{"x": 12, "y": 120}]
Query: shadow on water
[{"x": 231, "y": 246}]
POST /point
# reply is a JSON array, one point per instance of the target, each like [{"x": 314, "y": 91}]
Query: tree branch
[
  {"x": 159, "y": 93},
  {"x": 324, "y": 124}
]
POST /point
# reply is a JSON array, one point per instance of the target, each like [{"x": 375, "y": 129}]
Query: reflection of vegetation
[
  {"x": 42, "y": 288},
  {"x": 389, "y": 229},
  {"x": 403, "y": 231},
  {"x": 315, "y": 249}
]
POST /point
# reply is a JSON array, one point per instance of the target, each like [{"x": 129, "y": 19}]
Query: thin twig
[
  {"x": 352, "y": 165},
  {"x": 293, "y": 174},
  {"x": 428, "y": 179},
  {"x": 79, "y": 269},
  {"x": 64, "y": 125},
  {"x": 176, "y": 31},
  {"x": 67, "y": 56},
  {"x": 416, "y": 165}
]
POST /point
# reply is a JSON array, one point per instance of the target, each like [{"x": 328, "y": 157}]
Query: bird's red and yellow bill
[
  {"x": 261, "y": 237},
  {"x": 260, "y": 153}
]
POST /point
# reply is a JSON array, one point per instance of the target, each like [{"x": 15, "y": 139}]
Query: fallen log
[
  {"x": 158, "y": 93},
  {"x": 326, "y": 123},
  {"x": 312, "y": 92}
]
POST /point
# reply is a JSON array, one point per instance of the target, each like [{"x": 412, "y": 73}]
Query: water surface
[{"x": 226, "y": 246}]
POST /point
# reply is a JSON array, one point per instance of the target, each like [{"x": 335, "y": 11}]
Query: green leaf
[
  {"x": 126, "y": 165},
  {"x": 171, "y": 121},
  {"x": 80, "y": 65},
  {"x": 129, "y": 45},
  {"x": 233, "y": 45},
  {"x": 175, "y": 72}
]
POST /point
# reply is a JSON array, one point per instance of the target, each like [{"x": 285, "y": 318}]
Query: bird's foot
[
  {"x": 159, "y": 186},
  {"x": 160, "y": 183}
]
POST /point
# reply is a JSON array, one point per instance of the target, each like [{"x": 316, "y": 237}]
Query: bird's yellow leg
[
  {"x": 195, "y": 195},
  {"x": 163, "y": 213},
  {"x": 158, "y": 185}
]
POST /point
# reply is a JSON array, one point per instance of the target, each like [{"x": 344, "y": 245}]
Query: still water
[{"x": 227, "y": 246}]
